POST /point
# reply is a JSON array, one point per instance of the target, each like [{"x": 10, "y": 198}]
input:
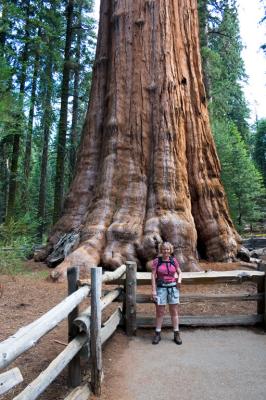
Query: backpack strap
[
  {"x": 160, "y": 262},
  {"x": 172, "y": 261}
]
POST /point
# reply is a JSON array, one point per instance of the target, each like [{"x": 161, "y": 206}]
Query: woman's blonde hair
[{"x": 166, "y": 244}]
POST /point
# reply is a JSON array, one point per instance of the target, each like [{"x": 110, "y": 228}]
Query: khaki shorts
[{"x": 168, "y": 295}]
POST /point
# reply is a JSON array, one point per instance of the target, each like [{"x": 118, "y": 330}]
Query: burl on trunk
[{"x": 147, "y": 167}]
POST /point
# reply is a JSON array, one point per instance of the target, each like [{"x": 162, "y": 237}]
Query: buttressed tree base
[{"x": 147, "y": 168}]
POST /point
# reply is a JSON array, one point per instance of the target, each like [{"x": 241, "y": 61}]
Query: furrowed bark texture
[{"x": 147, "y": 167}]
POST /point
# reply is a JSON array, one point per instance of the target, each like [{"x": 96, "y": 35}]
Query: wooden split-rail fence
[{"x": 87, "y": 334}]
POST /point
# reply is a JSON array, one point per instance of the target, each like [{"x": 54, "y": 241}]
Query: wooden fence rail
[
  {"x": 81, "y": 331},
  {"x": 213, "y": 277},
  {"x": 236, "y": 277},
  {"x": 28, "y": 336},
  {"x": 87, "y": 333},
  {"x": 9, "y": 379},
  {"x": 208, "y": 277},
  {"x": 38, "y": 386}
]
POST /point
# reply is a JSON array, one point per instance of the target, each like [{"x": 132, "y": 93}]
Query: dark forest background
[{"x": 46, "y": 60}]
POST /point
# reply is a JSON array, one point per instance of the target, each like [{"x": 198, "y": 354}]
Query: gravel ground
[{"x": 220, "y": 364}]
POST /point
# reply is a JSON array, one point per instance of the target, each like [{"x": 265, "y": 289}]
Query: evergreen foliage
[
  {"x": 224, "y": 66},
  {"x": 241, "y": 179},
  {"x": 32, "y": 41},
  {"x": 224, "y": 72},
  {"x": 260, "y": 147}
]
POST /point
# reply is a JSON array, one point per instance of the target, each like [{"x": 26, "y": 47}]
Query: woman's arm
[
  {"x": 179, "y": 274},
  {"x": 179, "y": 279},
  {"x": 153, "y": 282}
]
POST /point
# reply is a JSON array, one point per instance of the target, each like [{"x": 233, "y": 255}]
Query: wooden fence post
[
  {"x": 263, "y": 286},
  {"x": 74, "y": 371},
  {"x": 261, "y": 289},
  {"x": 131, "y": 289},
  {"x": 264, "y": 317},
  {"x": 95, "y": 330}
]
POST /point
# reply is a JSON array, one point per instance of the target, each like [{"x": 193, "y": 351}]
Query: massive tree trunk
[{"x": 147, "y": 167}]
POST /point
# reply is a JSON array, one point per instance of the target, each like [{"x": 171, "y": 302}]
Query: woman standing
[{"x": 166, "y": 281}]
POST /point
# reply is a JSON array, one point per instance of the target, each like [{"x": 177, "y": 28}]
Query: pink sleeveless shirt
[{"x": 166, "y": 270}]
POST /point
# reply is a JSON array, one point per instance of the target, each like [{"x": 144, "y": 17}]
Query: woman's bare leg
[
  {"x": 160, "y": 310},
  {"x": 159, "y": 321},
  {"x": 173, "y": 309}
]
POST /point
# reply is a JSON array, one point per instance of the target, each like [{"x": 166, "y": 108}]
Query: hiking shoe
[
  {"x": 177, "y": 338},
  {"x": 156, "y": 338}
]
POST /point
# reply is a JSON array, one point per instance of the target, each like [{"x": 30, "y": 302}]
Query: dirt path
[{"x": 220, "y": 364}]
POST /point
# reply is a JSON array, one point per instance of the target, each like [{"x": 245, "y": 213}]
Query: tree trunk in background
[
  {"x": 16, "y": 139},
  {"x": 62, "y": 130},
  {"x": 3, "y": 179},
  {"x": 3, "y": 26},
  {"x": 203, "y": 29},
  {"x": 46, "y": 124},
  {"x": 147, "y": 167},
  {"x": 27, "y": 157},
  {"x": 4, "y": 141},
  {"x": 73, "y": 131}
]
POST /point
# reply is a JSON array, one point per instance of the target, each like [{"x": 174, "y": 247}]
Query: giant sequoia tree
[{"x": 147, "y": 167}]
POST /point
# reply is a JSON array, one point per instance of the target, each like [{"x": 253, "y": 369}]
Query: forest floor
[{"x": 27, "y": 296}]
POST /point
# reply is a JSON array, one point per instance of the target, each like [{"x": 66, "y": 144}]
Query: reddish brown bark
[{"x": 147, "y": 168}]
